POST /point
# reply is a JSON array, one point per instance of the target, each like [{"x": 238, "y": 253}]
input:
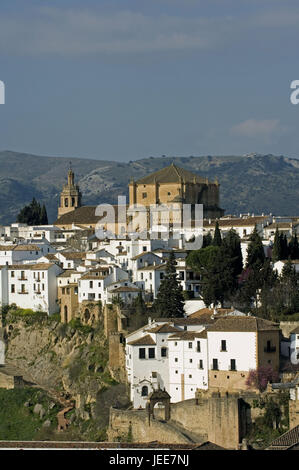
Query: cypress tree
[
  {"x": 43, "y": 216},
  {"x": 217, "y": 241},
  {"x": 294, "y": 248},
  {"x": 277, "y": 247},
  {"x": 255, "y": 251},
  {"x": 33, "y": 214},
  {"x": 232, "y": 248},
  {"x": 170, "y": 299}
]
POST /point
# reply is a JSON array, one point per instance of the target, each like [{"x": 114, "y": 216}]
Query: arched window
[
  {"x": 66, "y": 202},
  {"x": 144, "y": 391}
]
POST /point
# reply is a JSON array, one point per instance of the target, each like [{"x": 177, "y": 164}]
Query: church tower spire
[{"x": 70, "y": 197}]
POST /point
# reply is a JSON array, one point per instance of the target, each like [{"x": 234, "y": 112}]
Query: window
[
  {"x": 144, "y": 248},
  {"x": 144, "y": 391},
  {"x": 154, "y": 375},
  {"x": 151, "y": 353},
  {"x": 223, "y": 345},
  {"x": 141, "y": 353},
  {"x": 190, "y": 345},
  {"x": 233, "y": 364},
  {"x": 12, "y": 288},
  {"x": 161, "y": 275},
  {"x": 175, "y": 359},
  {"x": 176, "y": 371},
  {"x": 200, "y": 364},
  {"x": 175, "y": 343},
  {"x": 190, "y": 376},
  {"x": 215, "y": 364},
  {"x": 144, "y": 195},
  {"x": 12, "y": 274},
  {"x": 90, "y": 284},
  {"x": 198, "y": 346},
  {"x": 99, "y": 284},
  {"x": 190, "y": 360},
  {"x": 163, "y": 352},
  {"x": 181, "y": 275}
]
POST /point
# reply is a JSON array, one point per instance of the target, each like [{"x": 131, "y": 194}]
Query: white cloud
[{"x": 258, "y": 128}]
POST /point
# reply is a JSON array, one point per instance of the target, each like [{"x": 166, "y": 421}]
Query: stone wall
[
  {"x": 10, "y": 381},
  {"x": 136, "y": 424}
]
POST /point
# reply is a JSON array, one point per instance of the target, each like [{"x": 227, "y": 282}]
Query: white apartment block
[
  {"x": 31, "y": 286},
  {"x": 187, "y": 354}
]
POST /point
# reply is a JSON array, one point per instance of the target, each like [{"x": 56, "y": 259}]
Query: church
[{"x": 168, "y": 186}]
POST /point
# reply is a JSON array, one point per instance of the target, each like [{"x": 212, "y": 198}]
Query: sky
[{"x": 128, "y": 79}]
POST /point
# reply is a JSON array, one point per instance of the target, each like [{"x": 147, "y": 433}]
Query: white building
[
  {"x": 31, "y": 286},
  {"x": 279, "y": 265},
  {"x": 294, "y": 346},
  {"x": 188, "y": 364}
]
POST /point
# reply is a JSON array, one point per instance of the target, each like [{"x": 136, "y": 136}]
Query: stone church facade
[{"x": 171, "y": 186}]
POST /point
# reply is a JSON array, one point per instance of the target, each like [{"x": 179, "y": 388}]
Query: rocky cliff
[{"x": 66, "y": 361}]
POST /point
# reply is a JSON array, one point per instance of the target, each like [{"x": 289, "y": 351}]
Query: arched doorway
[{"x": 158, "y": 396}]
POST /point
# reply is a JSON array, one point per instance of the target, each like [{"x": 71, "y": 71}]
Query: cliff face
[{"x": 69, "y": 361}]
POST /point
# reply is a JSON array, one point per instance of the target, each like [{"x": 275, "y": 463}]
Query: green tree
[
  {"x": 33, "y": 214},
  {"x": 294, "y": 247},
  {"x": 207, "y": 240},
  {"x": 255, "y": 251},
  {"x": 215, "y": 268},
  {"x": 170, "y": 300},
  {"x": 277, "y": 247},
  {"x": 217, "y": 240},
  {"x": 232, "y": 248}
]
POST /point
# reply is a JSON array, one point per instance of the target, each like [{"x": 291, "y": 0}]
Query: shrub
[{"x": 260, "y": 377}]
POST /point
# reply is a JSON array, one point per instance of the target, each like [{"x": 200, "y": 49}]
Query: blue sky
[{"x": 123, "y": 80}]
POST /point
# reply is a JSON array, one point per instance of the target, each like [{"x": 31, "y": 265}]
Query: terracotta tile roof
[
  {"x": 68, "y": 273},
  {"x": 171, "y": 174},
  {"x": 165, "y": 328},
  {"x": 236, "y": 222},
  {"x": 73, "y": 255},
  {"x": 207, "y": 311},
  {"x": 152, "y": 267},
  {"x": 82, "y": 215},
  {"x": 243, "y": 324},
  {"x": 188, "y": 335},
  {"x": 279, "y": 225},
  {"x": 144, "y": 340},
  {"x": 19, "y": 248},
  {"x": 192, "y": 321},
  {"x": 126, "y": 289},
  {"x": 287, "y": 440},
  {"x": 92, "y": 276}
]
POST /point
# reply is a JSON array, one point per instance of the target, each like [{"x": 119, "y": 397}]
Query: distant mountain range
[{"x": 252, "y": 183}]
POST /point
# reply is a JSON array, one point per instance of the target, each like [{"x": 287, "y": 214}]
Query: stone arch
[{"x": 158, "y": 396}]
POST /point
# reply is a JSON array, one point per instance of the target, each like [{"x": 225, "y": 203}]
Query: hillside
[{"x": 253, "y": 183}]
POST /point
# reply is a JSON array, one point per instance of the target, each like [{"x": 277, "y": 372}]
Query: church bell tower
[{"x": 70, "y": 197}]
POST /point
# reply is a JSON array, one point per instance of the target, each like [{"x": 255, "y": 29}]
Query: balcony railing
[
  {"x": 22, "y": 292},
  {"x": 22, "y": 278}
]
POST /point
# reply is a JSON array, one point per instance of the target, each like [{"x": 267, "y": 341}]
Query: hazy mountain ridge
[{"x": 253, "y": 183}]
